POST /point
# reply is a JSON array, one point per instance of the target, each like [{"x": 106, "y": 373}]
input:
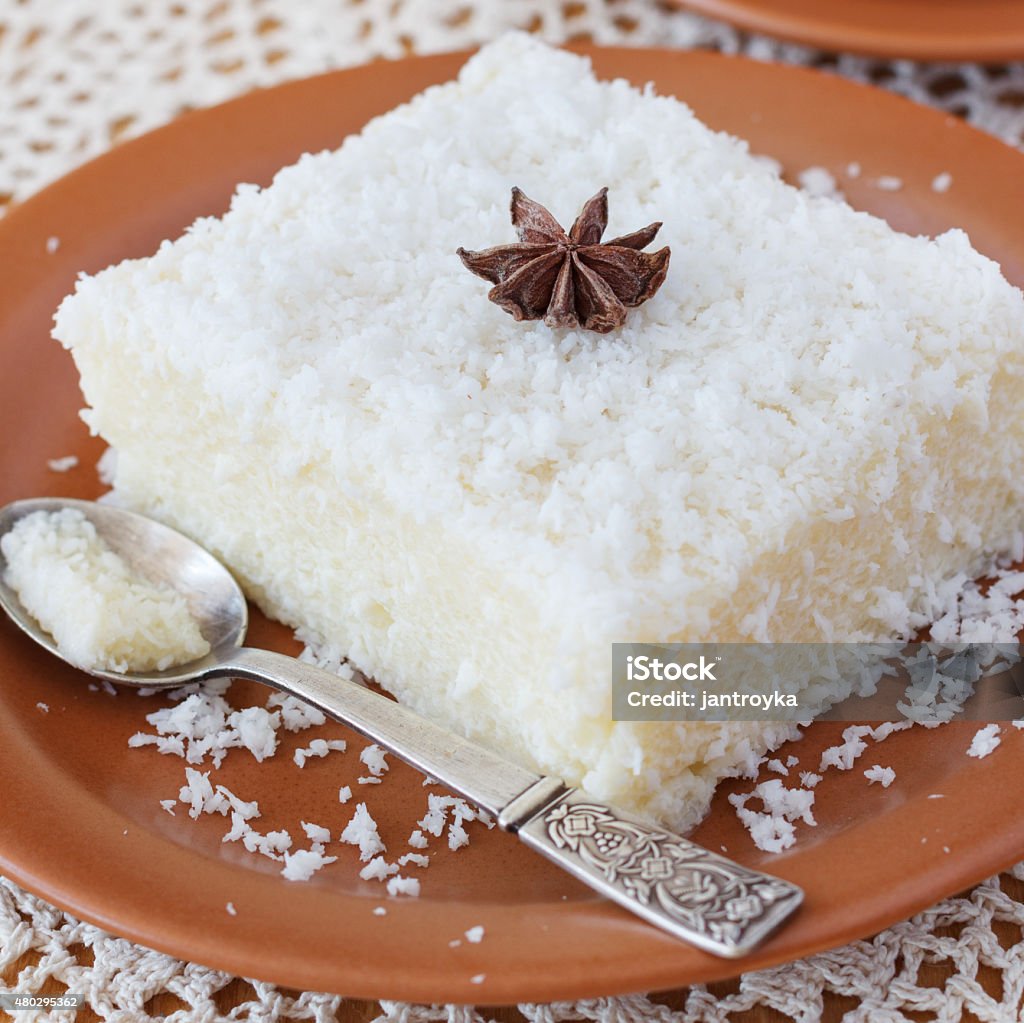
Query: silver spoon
[{"x": 696, "y": 895}]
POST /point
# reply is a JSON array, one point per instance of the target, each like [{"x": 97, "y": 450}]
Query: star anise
[{"x": 570, "y": 280}]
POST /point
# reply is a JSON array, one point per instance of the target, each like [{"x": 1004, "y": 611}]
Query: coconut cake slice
[{"x": 813, "y": 424}]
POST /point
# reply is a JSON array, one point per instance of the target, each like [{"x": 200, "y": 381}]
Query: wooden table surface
[{"x": 357, "y": 1011}]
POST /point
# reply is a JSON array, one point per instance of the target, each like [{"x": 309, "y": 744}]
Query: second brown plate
[
  {"x": 979, "y": 30},
  {"x": 80, "y": 820}
]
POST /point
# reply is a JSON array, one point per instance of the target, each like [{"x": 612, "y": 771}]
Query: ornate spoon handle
[{"x": 697, "y": 895}]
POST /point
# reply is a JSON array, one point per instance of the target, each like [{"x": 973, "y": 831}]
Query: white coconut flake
[
  {"x": 888, "y": 183},
  {"x": 368, "y": 781},
  {"x": 809, "y": 779},
  {"x": 361, "y": 830},
  {"x": 316, "y": 833},
  {"x": 941, "y": 182},
  {"x": 985, "y": 741},
  {"x": 478, "y": 978},
  {"x": 418, "y": 840},
  {"x": 457, "y": 836},
  {"x": 475, "y": 935},
  {"x": 404, "y": 886},
  {"x": 378, "y": 869},
  {"x": 296, "y": 715},
  {"x": 883, "y": 775},
  {"x": 240, "y": 827},
  {"x": 319, "y": 748},
  {"x": 52, "y": 244},
  {"x": 273, "y": 845},
  {"x": 772, "y": 829},
  {"x": 230, "y": 907},
  {"x": 65, "y": 464},
  {"x": 379, "y": 911},
  {"x": 344, "y": 794},
  {"x": 169, "y": 805},
  {"x": 302, "y": 864},
  {"x": 842, "y": 757},
  {"x": 374, "y": 758},
  {"x": 256, "y": 730},
  {"x": 417, "y": 859},
  {"x": 881, "y": 732}
]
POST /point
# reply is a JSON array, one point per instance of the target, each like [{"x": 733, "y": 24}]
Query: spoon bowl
[{"x": 160, "y": 554}]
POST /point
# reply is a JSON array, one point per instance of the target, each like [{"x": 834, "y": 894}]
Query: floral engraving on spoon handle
[{"x": 696, "y": 894}]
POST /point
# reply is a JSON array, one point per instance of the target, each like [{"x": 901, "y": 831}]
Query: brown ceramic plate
[
  {"x": 981, "y": 30},
  {"x": 79, "y": 817}
]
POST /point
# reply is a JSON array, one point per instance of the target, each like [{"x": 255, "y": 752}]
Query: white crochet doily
[{"x": 79, "y": 75}]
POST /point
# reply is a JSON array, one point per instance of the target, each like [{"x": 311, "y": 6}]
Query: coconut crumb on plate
[
  {"x": 378, "y": 869},
  {"x": 361, "y": 830},
  {"x": 316, "y": 833},
  {"x": 842, "y": 757},
  {"x": 404, "y": 886},
  {"x": 772, "y": 829},
  {"x": 888, "y": 183},
  {"x": 302, "y": 864},
  {"x": 295, "y": 714},
  {"x": 417, "y": 859},
  {"x": 374, "y": 757},
  {"x": 985, "y": 741},
  {"x": 319, "y": 748},
  {"x": 884, "y": 775}
]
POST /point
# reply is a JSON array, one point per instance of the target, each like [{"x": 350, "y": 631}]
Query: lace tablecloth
[{"x": 77, "y": 76}]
